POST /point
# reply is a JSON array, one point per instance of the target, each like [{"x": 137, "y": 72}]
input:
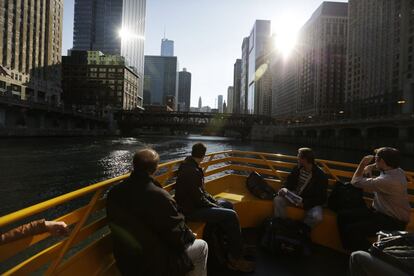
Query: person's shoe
[{"x": 241, "y": 264}]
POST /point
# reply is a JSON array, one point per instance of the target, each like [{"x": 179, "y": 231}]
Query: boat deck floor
[{"x": 323, "y": 261}]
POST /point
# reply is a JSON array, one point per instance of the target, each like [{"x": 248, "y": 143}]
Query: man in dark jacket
[
  {"x": 309, "y": 182},
  {"x": 150, "y": 236},
  {"x": 199, "y": 205}
]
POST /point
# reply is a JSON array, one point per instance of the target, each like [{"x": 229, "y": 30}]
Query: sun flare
[{"x": 285, "y": 35}]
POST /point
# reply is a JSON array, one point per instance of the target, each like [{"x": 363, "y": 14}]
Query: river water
[{"x": 35, "y": 169}]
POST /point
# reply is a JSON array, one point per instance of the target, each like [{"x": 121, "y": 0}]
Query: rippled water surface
[{"x": 36, "y": 169}]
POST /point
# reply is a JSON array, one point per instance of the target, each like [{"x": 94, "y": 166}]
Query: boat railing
[{"x": 88, "y": 222}]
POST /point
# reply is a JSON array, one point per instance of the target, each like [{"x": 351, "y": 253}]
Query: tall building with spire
[
  {"x": 200, "y": 105},
  {"x": 167, "y": 47}
]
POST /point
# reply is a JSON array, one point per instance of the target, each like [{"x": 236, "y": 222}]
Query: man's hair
[
  {"x": 146, "y": 160},
  {"x": 391, "y": 156},
  {"x": 199, "y": 150},
  {"x": 307, "y": 154}
]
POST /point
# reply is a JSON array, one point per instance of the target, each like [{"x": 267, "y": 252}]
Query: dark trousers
[
  {"x": 357, "y": 225},
  {"x": 228, "y": 221}
]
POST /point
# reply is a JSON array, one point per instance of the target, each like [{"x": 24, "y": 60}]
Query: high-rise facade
[
  {"x": 380, "y": 75},
  {"x": 244, "y": 79},
  {"x": 285, "y": 86},
  {"x": 234, "y": 105},
  {"x": 114, "y": 27},
  {"x": 259, "y": 82},
  {"x": 200, "y": 104},
  {"x": 161, "y": 80},
  {"x": 230, "y": 100},
  {"x": 184, "y": 90},
  {"x": 220, "y": 103},
  {"x": 322, "y": 52},
  {"x": 167, "y": 48},
  {"x": 30, "y": 49}
]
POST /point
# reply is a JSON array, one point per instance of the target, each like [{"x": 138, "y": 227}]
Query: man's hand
[
  {"x": 366, "y": 160},
  {"x": 282, "y": 192},
  {"x": 57, "y": 228},
  {"x": 368, "y": 170}
]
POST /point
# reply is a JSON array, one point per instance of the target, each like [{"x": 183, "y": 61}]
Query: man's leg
[
  {"x": 227, "y": 220},
  {"x": 225, "y": 204},
  {"x": 279, "y": 207},
  {"x": 362, "y": 263},
  {"x": 198, "y": 253},
  {"x": 348, "y": 223},
  {"x": 313, "y": 216}
]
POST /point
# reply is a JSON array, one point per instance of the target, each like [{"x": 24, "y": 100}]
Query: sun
[{"x": 285, "y": 32}]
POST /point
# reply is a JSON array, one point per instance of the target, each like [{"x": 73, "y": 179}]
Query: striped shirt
[{"x": 303, "y": 180}]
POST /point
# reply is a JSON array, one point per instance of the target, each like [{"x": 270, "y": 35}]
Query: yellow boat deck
[{"x": 88, "y": 249}]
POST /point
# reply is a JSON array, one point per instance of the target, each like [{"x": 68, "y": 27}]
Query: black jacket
[
  {"x": 189, "y": 187},
  {"x": 149, "y": 234},
  {"x": 315, "y": 193}
]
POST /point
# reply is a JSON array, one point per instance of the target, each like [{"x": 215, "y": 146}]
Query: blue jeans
[
  {"x": 226, "y": 219},
  {"x": 362, "y": 263},
  {"x": 313, "y": 216}
]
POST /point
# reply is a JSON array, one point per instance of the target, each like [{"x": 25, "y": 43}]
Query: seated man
[
  {"x": 199, "y": 205},
  {"x": 390, "y": 207},
  {"x": 309, "y": 182},
  {"x": 149, "y": 234}
]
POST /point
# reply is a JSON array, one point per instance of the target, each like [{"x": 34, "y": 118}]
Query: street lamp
[{"x": 401, "y": 102}]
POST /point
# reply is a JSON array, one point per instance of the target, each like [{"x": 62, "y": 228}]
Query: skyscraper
[
  {"x": 244, "y": 80},
  {"x": 234, "y": 105},
  {"x": 200, "y": 105},
  {"x": 161, "y": 80},
  {"x": 322, "y": 51},
  {"x": 220, "y": 103},
  {"x": 259, "y": 81},
  {"x": 184, "y": 90},
  {"x": 112, "y": 27},
  {"x": 30, "y": 49},
  {"x": 230, "y": 97},
  {"x": 380, "y": 75},
  {"x": 167, "y": 48}
]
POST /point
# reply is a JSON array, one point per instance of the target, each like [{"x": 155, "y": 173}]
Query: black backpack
[
  {"x": 285, "y": 236},
  {"x": 217, "y": 249},
  {"x": 395, "y": 248},
  {"x": 345, "y": 196},
  {"x": 258, "y": 187}
]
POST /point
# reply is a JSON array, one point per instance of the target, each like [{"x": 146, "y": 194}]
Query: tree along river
[{"x": 35, "y": 169}]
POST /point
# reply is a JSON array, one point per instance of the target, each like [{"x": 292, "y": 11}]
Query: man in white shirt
[{"x": 390, "y": 207}]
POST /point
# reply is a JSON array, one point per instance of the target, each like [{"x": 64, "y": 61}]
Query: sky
[{"x": 208, "y": 34}]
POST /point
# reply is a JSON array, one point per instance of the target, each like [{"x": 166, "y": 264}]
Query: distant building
[
  {"x": 235, "y": 101},
  {"x": 199, "y": 102},
  {"x": 220, "y": 103},
  {"x": 225, "y": 107},
  {"x": 161, "y": 80},
  {"x": 115, "y": 27},
  {"x": 244, "y": 80},
  {"x": 95, "y": 83},
  {"x": 322, "y": 64},
  {"x": 184, "y": 90},
  {"x": 230, "y": 97},
  {"x": 30, "y": 50},
  {"x": 380, "y": 75},
  {"x": 167, "y": 48},
  {"x": 259, "y": 79}
]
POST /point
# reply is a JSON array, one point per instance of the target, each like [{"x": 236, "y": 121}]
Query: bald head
[{"x": 146, "y": 160}]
